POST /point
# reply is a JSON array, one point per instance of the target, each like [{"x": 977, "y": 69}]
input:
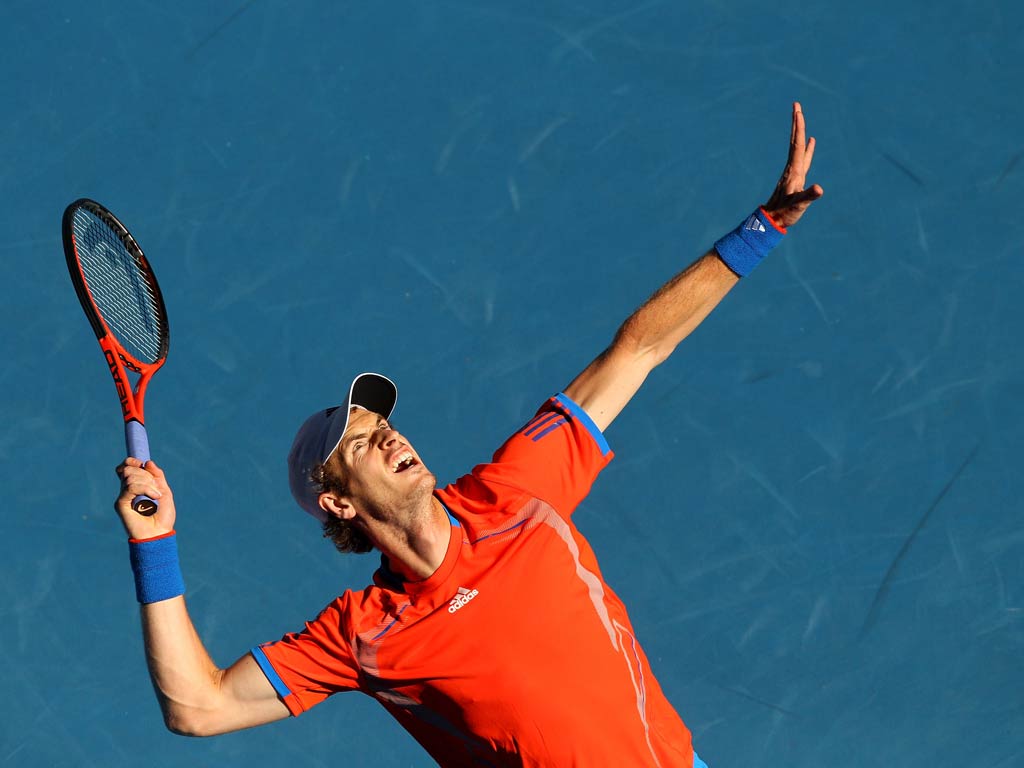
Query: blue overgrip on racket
[{"x": 137, "y": 440}]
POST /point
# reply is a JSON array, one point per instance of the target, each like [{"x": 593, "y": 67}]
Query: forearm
[
  {"x": 651, "y": 333},
  {"x": 648, "y": 337},
  {"x": 185, "y": 679},
  {"x": 196, "y": 697}
]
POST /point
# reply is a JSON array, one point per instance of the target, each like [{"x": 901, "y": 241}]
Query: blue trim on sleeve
[
  {"x": 583, "y": 417},
  {"x": 270, "y": 672},
  {"x": 698, "y": 763}
]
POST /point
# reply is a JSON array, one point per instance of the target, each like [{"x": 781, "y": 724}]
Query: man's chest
[
  {"x": 507, "y": 607},
  {"x": 500, "y": 647}
]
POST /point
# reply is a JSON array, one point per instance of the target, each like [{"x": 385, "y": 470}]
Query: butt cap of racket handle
[
  {"x": 144, "y": 505},
  {"x": 137, "y": 442}
]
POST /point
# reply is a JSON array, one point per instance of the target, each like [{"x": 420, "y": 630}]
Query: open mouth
[{"x": 402, "y": 462}]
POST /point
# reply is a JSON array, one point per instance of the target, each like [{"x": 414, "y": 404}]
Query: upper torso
[{"x": 515, "y": 651}]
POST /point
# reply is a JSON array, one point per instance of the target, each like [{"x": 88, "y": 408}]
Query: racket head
[
  {"x": 121, "y": 297},
  {"x": 115, "y": 285}
]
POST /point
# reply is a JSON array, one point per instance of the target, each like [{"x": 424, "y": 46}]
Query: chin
[{"x": 427, "y": 481}]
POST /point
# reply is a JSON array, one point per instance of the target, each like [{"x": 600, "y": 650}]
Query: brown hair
[{"x": 344, "y": 533}]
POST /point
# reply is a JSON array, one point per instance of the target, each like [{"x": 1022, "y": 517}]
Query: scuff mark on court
[
  {"x": 218, "y": 29},
  {"x": 906, "y": 171},
  {"x": 1007, "y": 170},
  {"x": 541, "y": 137},
  {"x": 756, "y": 700},
  {"x": 883, "y": 589}
]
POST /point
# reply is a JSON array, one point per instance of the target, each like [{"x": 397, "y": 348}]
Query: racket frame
[{"x": 119, "y": 360}]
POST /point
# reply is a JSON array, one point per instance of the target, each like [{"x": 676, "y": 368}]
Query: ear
[{"x": 336, "y": 506}]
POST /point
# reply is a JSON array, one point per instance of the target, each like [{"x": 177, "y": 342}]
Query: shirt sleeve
[
  {"x": 555, "y": 457},
  {"x": 308, "y": 666}
]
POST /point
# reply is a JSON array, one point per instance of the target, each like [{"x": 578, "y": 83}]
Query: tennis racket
[{"x": 121, "y": 298}]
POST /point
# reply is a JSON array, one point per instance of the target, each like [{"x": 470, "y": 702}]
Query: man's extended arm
[
  {"x": 196, "y": 697},
  {"x": 651, "y": 333}
]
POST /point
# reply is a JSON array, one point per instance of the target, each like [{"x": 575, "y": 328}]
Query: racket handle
[{"x": 137, "y": 441}]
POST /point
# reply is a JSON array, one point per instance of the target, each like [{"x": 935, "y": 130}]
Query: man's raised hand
[{"x": 790, "y": 198}]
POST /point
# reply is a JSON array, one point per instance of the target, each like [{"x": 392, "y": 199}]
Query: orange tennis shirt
[{"x": 515, "y": 651}]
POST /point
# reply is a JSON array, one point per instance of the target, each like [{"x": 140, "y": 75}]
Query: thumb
[
  {"x": 813, "y": 192},
  {"x": 804, "y": 197}
]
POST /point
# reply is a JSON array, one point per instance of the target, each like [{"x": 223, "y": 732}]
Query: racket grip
[{"x": 137, "y": 441}]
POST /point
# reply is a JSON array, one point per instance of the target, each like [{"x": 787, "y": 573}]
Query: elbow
[
  {"x": 183, "y": 722},
  {"x": 183, "y": 726},
  {"x": 194, "y": 711},
  {"x": 655, "y": 356},
  {"x": 640, "y": 351}
]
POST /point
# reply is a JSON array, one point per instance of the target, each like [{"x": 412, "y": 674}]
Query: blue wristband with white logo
[
  {"x": 744, "y": 247},
  {"x": 156, "y": 568}
]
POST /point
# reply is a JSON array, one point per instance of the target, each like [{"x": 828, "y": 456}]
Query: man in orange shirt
[{"x": 489, "y": 632}]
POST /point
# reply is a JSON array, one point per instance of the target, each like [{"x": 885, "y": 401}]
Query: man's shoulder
[
  {"x": 479, "y": 494},
  {"x": 356, "y": 609}
]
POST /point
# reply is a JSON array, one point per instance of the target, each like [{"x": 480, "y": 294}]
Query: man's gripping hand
[
  {"x": 790, "y": 199},
  {"x": 149, "y": 481}
]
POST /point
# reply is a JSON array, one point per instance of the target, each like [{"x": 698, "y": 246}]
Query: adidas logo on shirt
[{"x": 460, "y": 600}]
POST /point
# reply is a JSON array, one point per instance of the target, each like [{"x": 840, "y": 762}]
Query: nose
[{"x": 388, "y": 438}]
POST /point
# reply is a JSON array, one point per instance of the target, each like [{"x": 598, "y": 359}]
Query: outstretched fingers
[
  {"x": 808, "y": 155},
  {"x": 801, "y": 152},
  {"x": 790, "y": 199},
  {"x": 797, "y": 133}
]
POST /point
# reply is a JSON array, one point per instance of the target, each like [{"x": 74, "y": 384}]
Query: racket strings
[{"x": 119, "y": 287}]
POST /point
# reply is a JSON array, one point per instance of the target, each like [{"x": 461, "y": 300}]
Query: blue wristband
[
  {"x": 156, "y": 568},
  {"x": 744, "y": 247}
]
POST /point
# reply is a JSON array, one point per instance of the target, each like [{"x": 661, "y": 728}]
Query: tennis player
[{"x": 488, "y": 632}]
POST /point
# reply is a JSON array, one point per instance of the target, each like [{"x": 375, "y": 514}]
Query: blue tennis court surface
[{"x": 814, "y": 514}]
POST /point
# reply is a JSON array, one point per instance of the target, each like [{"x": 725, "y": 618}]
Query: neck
[{"x": 416, "y": 547}]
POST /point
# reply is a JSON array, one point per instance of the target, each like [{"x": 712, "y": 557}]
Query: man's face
[{"x": 381, "y": 472}]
